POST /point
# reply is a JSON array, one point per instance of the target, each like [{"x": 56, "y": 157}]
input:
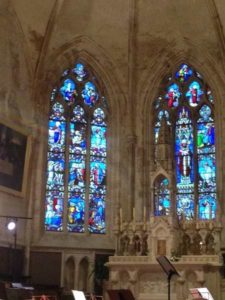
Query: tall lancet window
[
  {"x": 77, "y": 154},
  {"x": 162, "y": 197},
  {"x": 186, "y": 105}
]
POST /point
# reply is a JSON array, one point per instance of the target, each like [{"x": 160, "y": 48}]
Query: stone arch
[
  {"x": 83, "y": 274},
  {"x": 86, "y": 50},
  {"x": 69, "y": 273}
]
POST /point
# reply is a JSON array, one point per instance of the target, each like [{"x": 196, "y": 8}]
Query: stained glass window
[
  {"x": 162, "y": 197},
  {"x": 77, "y": 154},
  {"x": 187, "y": 104}
]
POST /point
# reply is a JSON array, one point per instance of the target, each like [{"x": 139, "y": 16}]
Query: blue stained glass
[
  {"x": 98, "y": 140},
  {"x": 97, "y": 175},
  {"x": 162, "y": 198},
  {"x": 96, "y": 220},
  {"x": 78, "y": 138},
  {"x": 79, "y": 114},
  {"x": 56, "y": 136},
  {"x": 173, "y": 95},
  {"x": 76, "y": 212},
  {"x": 207, "y": 173},
  {"x": 89, "y": 94},
  {"x": 162, "y": 114},
  {"x": 184, "y": 73},
  {"x": 207, "y": 206},
  {"x": 205, "y": 138},
  {"x": 194, "y": 93},
  {"x": 99, "y": 117},
  {"x": 185, "y": 206},
  {"x": 54, "y": 210},
  {"x": 80, "y": 71},
  {"x": 77, "y": 172},
  {"x": 205, "y": 114},
  {"x": 57, "y": 112},
  {"x": 68, "y": 90},
  {"x": 55, "y": 171},
  {"x": 184, "y": 149}
]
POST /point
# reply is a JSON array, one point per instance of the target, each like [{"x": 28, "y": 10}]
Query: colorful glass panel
[
  {"x": 205, "y": 138},
  {"x": 194, "y": 93},
  {"x": 96, "y": 220},
  {"x": 57, "y": 112},
  {"x": 68, "y": 90},
  {"x": 77, "y": 172},
  {"x": 55, "y": 171},
  {"x": 98, "y": 140},
  {"x": 78, "y": 133},
  {"x": 56, "y": 136},
  {"x": 194, "y": 140},
  {"x": 184, "y": 147},
  {"x": 80, "y": 72},
  {"x": 207, "y": 206},
  {"x": 76, "y": 162},
  {"x": 78, "y": 115},
  {"x": 76, "y": 212},
  {"x": 97, "y": 175},
  {"x": 54, "y": 210},
  {"x": 89, "y": 94},
  {"x": 173, "y": 95},
  {"x": 185, "y": 206},
  {"x": 162, "y": 198},
  {"x": 99, "y": 117},
  {"x": 184, "y": 73},
  {"x": 207, "y": 173}
]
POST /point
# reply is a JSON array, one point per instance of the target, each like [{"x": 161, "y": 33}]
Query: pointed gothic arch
[{"x": 185, "y": 104}]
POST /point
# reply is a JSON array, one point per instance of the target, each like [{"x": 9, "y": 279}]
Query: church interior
[{"x": 112, "y": 147}]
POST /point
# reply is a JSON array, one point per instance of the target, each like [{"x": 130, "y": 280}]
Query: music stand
[{"x": 168, "y": 268}]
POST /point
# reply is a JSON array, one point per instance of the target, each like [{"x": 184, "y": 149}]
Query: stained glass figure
[
  {"x": 207, "y": 206},
  {"x": 78, "y": 138},
  {"x": 68, "y": 90},
  {"x": 192, "y": 122},
  {"x": 55, "y": 171},
  {"x": 173, "y": 95},
  {"x": 57, "y": 112},
  {"x": 185, "y": 206},
  {"x": 77, "y": 172},
  {"x": 80, "y": 71},
  {"x": 99, "y": 117},
  {"x": 162, "y": 197},
  {"x": 97, "y": 175},
  {"x": 56, "y": 136},
  {"x": 54, "y": 210},
  {"x": 207, "y": 172},
  {"x": 77, "y": 152},
  {"x": 76, "y": 211},
  {"x": 194, "y": 93},
  {"x": 184, "y": 151},
  {"x": 96, "y": 220},
  {"x": 162, "y": 114},
  {"x": 98, "y": 140},
  {"x": 184, "y": 73},
  {"x": 89, "y": 94},
  {"x": 78, "y": 115}
]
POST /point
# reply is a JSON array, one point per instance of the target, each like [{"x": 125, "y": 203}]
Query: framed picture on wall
[{"x": 13, "y": 158}]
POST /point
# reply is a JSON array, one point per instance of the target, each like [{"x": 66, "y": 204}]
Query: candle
[
  {"x": 144, "y": 214},
  {"x": 133, "y": 219}
]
